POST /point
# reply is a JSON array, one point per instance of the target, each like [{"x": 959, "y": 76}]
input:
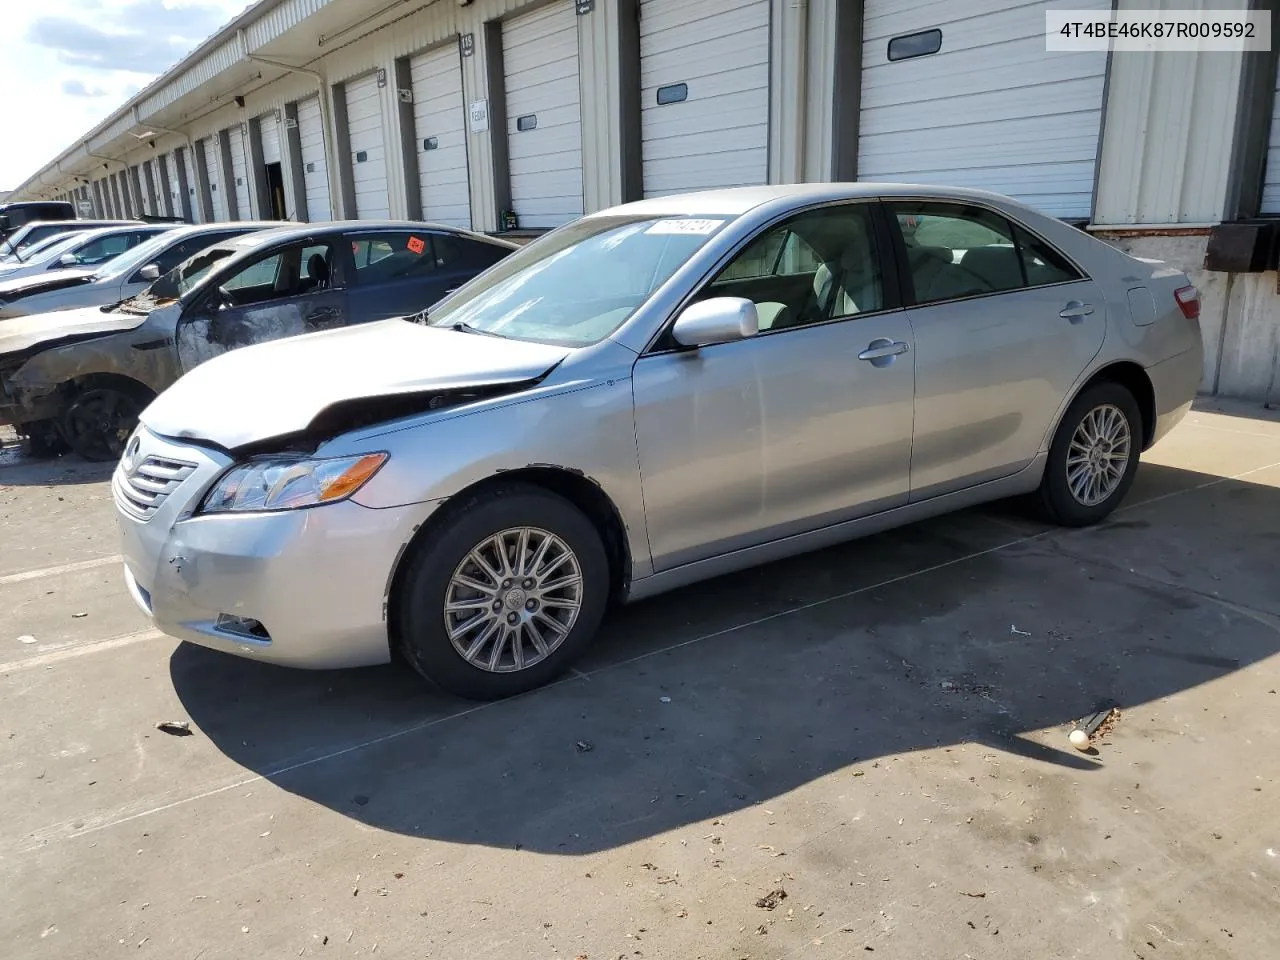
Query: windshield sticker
[
  {"x": 416, "y": 245},
  {"x": 686, "y": 227}
]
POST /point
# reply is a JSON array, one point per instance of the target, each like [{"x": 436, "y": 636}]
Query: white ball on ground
[{"x": 1079, "y": 739}]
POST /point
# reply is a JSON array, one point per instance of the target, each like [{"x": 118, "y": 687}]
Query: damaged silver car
[
  {"x": 80, "y": 377},
  {"x": 654, "y": 394}
]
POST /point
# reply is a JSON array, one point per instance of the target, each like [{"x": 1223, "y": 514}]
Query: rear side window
[
  {"x": 955, "y": 250},
  {"x": 384, "y": 257},
  {"x": 461, "y": 253}
]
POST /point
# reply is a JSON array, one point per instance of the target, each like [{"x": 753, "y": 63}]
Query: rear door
[
  {"x": 398, "y": 273},
  {"x": 282, "y": 292},
  {"x": 1004, "y": 325}
]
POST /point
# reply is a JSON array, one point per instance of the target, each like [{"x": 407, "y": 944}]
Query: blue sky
[{"x": 67, "y": 64}]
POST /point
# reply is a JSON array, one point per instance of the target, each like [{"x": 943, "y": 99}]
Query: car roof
[
  {"x": 735, "y": 201},
  {"x": 300, "y": 231}
]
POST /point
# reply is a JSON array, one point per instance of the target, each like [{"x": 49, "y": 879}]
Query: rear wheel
[
  {"x": 1094, "y": 456},
  {"x": 98, "y": 421},
  {"x": 504, "y": 594}
]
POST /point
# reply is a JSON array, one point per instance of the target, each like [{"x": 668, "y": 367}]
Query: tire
[
  {"x": 97, "y": 422},
  {"x": 1115, "y": 413},
  {"x": 422, "y": 624},
  {"x": 44, "y": 439}
]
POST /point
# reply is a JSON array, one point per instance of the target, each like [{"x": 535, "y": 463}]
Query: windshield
[
  {"x": 183, "y": 278},
  {"x": 579, "y": 284},
  {"x": 138, "y": 256},
  {"x": 51, "y": 246}
]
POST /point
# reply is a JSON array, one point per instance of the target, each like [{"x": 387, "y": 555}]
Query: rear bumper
[
  {"x": 1175, "y": 382},
  {"x": 316, "y": 580}
]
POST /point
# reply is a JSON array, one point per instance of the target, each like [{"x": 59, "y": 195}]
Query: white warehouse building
[{"x": 517, "y": 116}]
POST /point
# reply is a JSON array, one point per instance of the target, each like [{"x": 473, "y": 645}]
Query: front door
[
  {"x": 1004, "y": 326},
  {"x": 806, "y": 424},
  {"x": 282, "y": 293}
]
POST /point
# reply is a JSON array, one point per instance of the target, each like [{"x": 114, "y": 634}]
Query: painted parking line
[
  {"x": 64, "y": 568},
  {"x": 78, "y": 649}
]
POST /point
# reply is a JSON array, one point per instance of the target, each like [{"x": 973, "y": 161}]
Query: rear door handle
[
  {"x": 1075, "y": 310},
  {"x": 880, "y": 349}
]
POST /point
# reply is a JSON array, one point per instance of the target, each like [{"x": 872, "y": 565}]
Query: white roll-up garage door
[
  {"x": 240, "y": 171},
  {"x": 269, "y": 131},
  {"x": 439, "y": 122},
  {"x": 315, "y": 176},
  {"x": 193, "y": 185},
  {"x": 368, "y": 149},
  {"x": 544, "y": 115},
  {"x": 216, "y": 186},
  {"x": 971, "y": 99},
  {"x": 704, "y": 94},
  {"x": 1271, "y": 181}
]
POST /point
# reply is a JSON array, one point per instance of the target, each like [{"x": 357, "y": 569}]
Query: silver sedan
[{"x": 652, "y": 395}]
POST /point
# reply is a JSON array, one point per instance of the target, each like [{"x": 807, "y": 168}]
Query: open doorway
[{"x": 275, "y": 190}]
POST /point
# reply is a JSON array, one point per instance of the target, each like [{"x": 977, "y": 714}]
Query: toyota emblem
[{"x": 130, "y": 458}]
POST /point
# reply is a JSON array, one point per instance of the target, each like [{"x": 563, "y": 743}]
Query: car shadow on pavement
[{"x": 981, "y": 628}]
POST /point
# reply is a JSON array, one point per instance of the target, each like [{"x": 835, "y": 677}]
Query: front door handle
[
  {"x": 881, "y": 349},
  {"x": 1075, "y": 310}
]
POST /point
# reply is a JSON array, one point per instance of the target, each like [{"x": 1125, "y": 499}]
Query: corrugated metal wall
[{"x": 1169, "y": 132}]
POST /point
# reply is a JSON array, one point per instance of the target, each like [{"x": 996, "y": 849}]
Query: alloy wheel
[
  {"x": 1098, "y": 455},
  {"x": 513, "y": 599}
]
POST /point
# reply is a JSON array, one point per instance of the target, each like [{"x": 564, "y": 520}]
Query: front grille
[{"x": 143, "y": 489}]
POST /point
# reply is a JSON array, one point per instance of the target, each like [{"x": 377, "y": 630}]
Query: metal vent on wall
[
  {"x": 362, "y": 156},
  {"x": 527, "y": 122},
  {"x": 431, "y": 143}
]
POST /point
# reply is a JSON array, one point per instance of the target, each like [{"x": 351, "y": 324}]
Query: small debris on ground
[
  {"x": 1095, "y": 726},
  {"x": 771, "y": 899},
  {"x": 1014, "y": 631},
  {"x": 177, "y": 728},
  {"x": 664, "y": 699},
  {"x": 26, "y": 638},
  {"x": 584, "y": 746},
  {"x": 966, "y": 893}
]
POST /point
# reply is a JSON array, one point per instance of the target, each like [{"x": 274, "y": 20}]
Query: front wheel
[
  {"x": 503, "y": 594},
  {"x": 98, "y": 421},
  {"x": 1093, "y": 457}
]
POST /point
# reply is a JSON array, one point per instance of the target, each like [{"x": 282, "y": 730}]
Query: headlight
[{"x": 286, "y": 483}]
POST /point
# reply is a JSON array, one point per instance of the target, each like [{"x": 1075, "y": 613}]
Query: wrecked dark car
[{"x": 79, "y": 378}]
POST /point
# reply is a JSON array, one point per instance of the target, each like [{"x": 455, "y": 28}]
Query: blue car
[{"x": 80, "y": 377}]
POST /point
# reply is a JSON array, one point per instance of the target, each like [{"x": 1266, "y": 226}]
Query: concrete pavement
[{"x": 879, "y": 730}]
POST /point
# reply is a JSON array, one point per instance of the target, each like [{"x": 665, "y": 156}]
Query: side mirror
[
  {"x": 718, "y": 320},
  {"x": 69, "y": 260},
  {"x": 150, "y": 272}
]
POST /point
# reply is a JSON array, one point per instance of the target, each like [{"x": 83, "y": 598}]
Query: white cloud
[{"x": 76, "y": 61}]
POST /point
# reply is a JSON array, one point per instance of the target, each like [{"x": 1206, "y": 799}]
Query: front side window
[
  {"x": 290, "y": 272},
  {"x": 578, "y": 285},
  {"x": 956, "y": 250},
  {"x": 816, "y": 266},
  {"x": 104, "y": 248}
]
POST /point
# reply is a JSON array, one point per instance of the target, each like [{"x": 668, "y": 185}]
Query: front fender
[{"x": 587, "y": 429}]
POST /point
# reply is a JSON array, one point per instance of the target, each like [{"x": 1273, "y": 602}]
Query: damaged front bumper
[
  {"x": 302, "y": 588},
  {"x": 22, "y": 403}
]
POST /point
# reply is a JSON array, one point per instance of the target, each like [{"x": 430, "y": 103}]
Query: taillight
[{"x": 1188, "y": 298}]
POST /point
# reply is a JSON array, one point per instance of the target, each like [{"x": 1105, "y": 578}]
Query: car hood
[
  {"x": 44, "y": 281},
  {"x": 279, "y": 389},
  {"x": 21, "y": 334}
]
